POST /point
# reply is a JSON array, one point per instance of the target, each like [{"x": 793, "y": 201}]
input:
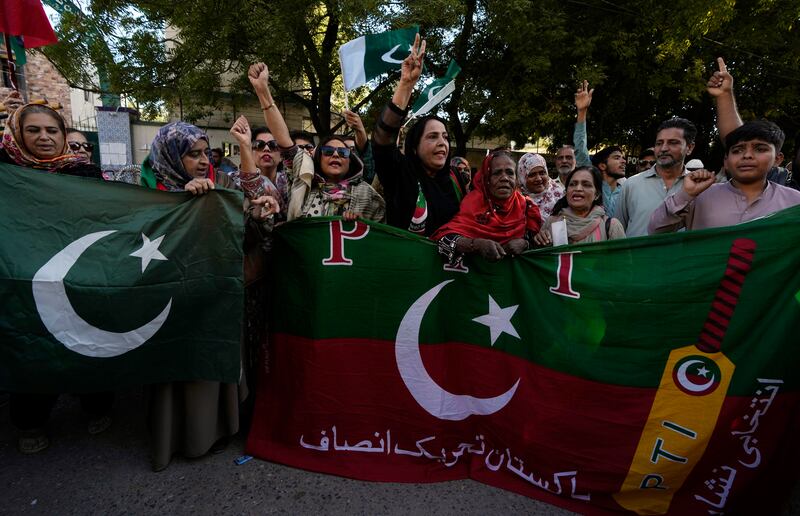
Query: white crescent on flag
[
  {"x": 64, "y": 323},
  {"x": 437, "y": 401}
]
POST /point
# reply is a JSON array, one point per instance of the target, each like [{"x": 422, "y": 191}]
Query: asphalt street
[{"x": 110, "y": 474}]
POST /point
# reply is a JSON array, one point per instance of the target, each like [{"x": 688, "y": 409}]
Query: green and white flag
[
  {"x": 437, "y": 91},
  {"x": 108, "y": 285},
  {"x": 367, "y": 57}
]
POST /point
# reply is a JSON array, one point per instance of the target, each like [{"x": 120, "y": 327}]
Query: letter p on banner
[{"x": 338, "y": 236}]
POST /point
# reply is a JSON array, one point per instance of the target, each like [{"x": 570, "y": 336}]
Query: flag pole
[
  {"x": 12, "y": 66},
  {"x": 344, "y": 86}
]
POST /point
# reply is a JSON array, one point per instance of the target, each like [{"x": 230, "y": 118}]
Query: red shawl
[{"x": 481, "y": 216}]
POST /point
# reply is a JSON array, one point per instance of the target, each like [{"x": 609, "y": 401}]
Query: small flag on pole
[
  {"x": 437, "y": 91},
  {"x": 367, "y": 57}
]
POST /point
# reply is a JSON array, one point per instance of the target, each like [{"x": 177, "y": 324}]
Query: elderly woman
[
  {"x": 196, "y": 416},
  {"x": 35, "y": 136},
  {"x": 581, "y": 209},
  {"x": 495, "y": 219},
  {"x": 327, "y": 184},
  {"x": 536, "y": 183},
  {"x": 421, "y": 191}
]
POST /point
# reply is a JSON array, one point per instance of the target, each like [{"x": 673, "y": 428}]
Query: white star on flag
[
  {"x": 703, "y": 372},
  {"x": 498, "y": 320},
  {"x": 149, "y": 251}
]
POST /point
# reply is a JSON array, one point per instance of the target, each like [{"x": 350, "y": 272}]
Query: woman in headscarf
[
  {"x": 581, "y": 209},
  {"x": 460, "y": 166},
  {"x": 536, "y": 183},
  {"x": 35, "y": 137},
  {"x": 197, "y": 416},
  {"x": 495, "y": 219},
  {"x": 421, "y": 191},
  {"x": 327, "y": 184}
]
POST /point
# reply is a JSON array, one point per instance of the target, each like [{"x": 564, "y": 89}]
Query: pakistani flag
[
  {"x": 653, "y": 375},
  {"x": 369, "y": 56},
  {"x": 107, "y": 285},
  {"x": 437, "y": 91}
]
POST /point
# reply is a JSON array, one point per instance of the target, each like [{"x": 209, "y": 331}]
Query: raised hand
[
  {"x": 583, "y": 97},
  {"x": 353, "y": 121},
  {"x": 258, "y": 74},
  {"x": 721, "y": 82},
  {"x": 698, "y": 181},
  {"x": 411, "y": 68},
  {"x": 241, "y": 132},
  {"x": 264, "y": 206}
]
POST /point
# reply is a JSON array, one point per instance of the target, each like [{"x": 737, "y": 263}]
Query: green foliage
[{"x": 521, "y": 59}]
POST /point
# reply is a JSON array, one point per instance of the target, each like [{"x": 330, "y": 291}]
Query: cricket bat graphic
[{"x": 688, "y": 401}]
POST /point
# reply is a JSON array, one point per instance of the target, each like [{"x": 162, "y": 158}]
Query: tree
[
  {"x": 521, "y": 59},
  {"x": 204, "y": 62}
]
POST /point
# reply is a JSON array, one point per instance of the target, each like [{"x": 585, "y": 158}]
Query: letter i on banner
[
  {"x": 564, "y": 277},
  {"x": 338, "y": 236},
  {"x": 688, "y": 401}
]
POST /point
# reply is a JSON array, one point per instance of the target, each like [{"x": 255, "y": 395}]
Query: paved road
[{"x": 110, "y": 474}]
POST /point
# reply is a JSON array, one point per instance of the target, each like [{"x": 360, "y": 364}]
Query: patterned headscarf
[
  {"x": 171, "y": 143},
  {"x": 455, "y": 162},
  {"x": 527, "y": 163},
  {"x": 14, "y": 144}
]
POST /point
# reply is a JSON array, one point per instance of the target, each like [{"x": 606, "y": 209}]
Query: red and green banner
[
  {"x": 107, "y": 285},
  {"x": 652, "y": 375}
]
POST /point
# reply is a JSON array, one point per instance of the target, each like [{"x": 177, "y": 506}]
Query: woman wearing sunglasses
[
  {"x": 78, "y": 144},
  {"x": 329, "y": 183},
  {"x": 422, "y": 193}
]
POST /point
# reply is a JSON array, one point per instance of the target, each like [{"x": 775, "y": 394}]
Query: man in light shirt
[
  {"x": 643, "y": 193},
  {"x": 751, "y": 151}
]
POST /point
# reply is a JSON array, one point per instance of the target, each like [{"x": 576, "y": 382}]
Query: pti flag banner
[
  {"x": 106, "y": 285},
  {"x": 367, "y": 57},
  {"x": 653, "y": 375},
  {"x": 436, "y": 91}
]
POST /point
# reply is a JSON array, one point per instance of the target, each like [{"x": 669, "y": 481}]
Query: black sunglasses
[
  {"x": 76, "y": 146},
  {"x": 647, "y": 162},
  {"x": 329, "y": 151},
  {"x": 260, "y": 145},
  {"x": 307, "y": 146}
]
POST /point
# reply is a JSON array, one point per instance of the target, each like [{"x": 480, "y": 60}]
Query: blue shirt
[{"x": 610, "y": 198}]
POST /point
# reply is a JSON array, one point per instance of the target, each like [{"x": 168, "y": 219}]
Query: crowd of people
[{"x": 506, "y": 208}]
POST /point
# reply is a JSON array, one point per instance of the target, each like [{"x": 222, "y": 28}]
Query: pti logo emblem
[{"x": 696, "y": 375}]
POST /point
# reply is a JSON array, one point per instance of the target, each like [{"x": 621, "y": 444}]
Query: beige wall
[
  {"x": 292, "y": 113},
  {"x": 83, "y": 108}
]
